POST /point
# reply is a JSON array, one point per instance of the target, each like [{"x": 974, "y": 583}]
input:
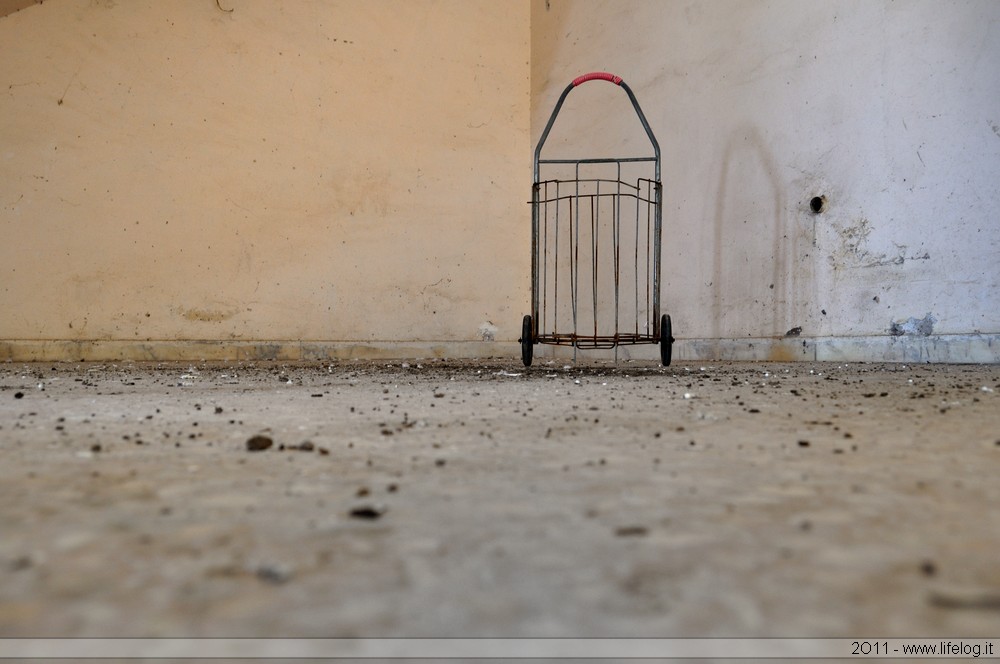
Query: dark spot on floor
[
  {"x": 259, "y": 443},
  {"x": 367, "y": 512},
  {"x": 274, "y": 574}
]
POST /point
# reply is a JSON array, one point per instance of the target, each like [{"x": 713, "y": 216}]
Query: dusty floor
[{"x": 482, "y": 499}]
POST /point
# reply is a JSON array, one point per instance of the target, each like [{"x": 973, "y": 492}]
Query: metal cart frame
[{"x": 583, "y": 199}]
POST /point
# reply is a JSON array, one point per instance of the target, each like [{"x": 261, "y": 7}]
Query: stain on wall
[
  {"x": 208, "y": 315},
  {"x": 854, "y": 251},
  {"x": 11, "y": 6}
]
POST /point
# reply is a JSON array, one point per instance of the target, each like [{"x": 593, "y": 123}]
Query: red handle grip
[{"x": 597, "y": 76}]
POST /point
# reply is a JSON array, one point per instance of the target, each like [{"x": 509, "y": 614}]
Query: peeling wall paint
[
  {"x": 488, "y": 331},
  {"x": 923, "y": 327}
]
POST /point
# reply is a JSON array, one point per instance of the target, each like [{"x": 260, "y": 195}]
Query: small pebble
[
  {"x": 275, "y": 574},
  {"x": 258, "y": 443},
  {"x": 367, "y": 512},
  {"x": 20, "y": 563}
]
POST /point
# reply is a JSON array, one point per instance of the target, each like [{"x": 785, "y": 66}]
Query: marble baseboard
[{"x": 951, "y": 348}]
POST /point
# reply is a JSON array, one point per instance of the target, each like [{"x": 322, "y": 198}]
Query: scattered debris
[
  {"x": 653, "y": 454},
  {"x": 305, "y": 446}
]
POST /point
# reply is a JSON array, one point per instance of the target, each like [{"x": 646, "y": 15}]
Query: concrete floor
[{"x": 434, "y": 498}]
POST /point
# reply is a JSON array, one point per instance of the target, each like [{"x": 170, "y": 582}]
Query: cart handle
[
  {"x": 597, "y": 76},
  {"x": 611, "y": 78}
]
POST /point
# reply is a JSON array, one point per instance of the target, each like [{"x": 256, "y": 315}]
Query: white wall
[{"x": 888, "y": 109}]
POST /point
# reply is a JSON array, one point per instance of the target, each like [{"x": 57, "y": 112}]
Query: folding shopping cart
[{"x": 595, "y": 229}]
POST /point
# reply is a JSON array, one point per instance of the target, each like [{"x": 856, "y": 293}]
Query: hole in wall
[{"x": 818, "y": 204}]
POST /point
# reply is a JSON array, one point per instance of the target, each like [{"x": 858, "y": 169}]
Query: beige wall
[
  {"x": 889, "y": 109},
  {"x": 284, "y": 171}
]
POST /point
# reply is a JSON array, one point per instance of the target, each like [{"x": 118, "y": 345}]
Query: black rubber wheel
[
  {"x": 666, "y": 340},
  {"x": 526, "y": 342}
]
